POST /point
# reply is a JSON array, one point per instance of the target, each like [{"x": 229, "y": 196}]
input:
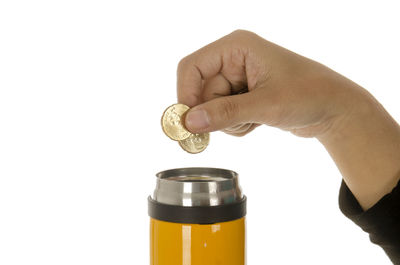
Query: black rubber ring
[{"x": 197, "y": 214}]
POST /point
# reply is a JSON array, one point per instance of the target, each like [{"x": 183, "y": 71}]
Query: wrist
[
  {"x": 360, "y": 112},
  {"x": 365, "y": 145}
]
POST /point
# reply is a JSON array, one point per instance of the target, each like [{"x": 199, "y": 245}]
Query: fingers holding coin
[{"x": 172, "y": 123}]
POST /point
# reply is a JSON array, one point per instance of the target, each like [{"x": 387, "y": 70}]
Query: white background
[{"x": 83, "y": 85}]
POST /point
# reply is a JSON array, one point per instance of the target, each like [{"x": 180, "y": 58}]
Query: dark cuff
[
  {"x": 387, "y": 208},
  {"x": 381, "y": 221}
]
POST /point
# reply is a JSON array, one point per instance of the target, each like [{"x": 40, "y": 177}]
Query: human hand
[{"x": 241, "y": 81}]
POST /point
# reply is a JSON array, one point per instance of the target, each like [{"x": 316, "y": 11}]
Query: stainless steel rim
[{"x": 197, "y": 186}]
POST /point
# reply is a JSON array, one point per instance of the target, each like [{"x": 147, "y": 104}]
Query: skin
[{"x": 242, "y": 81}]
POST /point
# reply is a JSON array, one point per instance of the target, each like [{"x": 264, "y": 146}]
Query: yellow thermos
[{"x": 197, "y": 218}]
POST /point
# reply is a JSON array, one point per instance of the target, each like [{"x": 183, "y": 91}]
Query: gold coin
[
  {"x": 195, "y": 143},
  {"x": 172, "y": 122}
]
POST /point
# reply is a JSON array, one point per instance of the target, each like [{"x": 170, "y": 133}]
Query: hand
[{"x": 242, "y": 81}]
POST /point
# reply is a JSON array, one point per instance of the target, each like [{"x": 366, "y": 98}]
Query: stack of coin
[{"x": 172, "y": 123}]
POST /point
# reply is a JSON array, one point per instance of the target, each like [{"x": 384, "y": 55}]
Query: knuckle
[
  {"x": 242, "y": 34},
  {"x": 242, "y": 39},
  {"x": 183, "y": 63},
  {"x": 239, "y": 32}
]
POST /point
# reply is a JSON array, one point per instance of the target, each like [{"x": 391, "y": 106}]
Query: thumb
[{"x": 223, "y": 112}]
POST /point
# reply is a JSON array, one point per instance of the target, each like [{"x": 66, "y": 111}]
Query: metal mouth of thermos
[{"x": 197, "y": 195}]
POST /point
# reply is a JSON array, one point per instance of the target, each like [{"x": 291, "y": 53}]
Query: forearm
[{"x": 365, "y": 146}]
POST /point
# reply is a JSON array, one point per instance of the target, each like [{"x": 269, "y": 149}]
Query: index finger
[{"x": 196, "y": 67}]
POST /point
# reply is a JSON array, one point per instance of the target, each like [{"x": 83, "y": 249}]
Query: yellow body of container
[{"x": 197, "y": 244}]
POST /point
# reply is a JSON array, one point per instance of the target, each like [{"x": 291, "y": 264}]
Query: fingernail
[{"x": 197, "y": 119}]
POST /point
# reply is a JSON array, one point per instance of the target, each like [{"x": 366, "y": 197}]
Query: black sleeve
[{"x": 381, "y": 221}]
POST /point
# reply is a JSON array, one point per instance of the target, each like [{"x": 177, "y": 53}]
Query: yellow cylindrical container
[{"x": 197, "y": 218}]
